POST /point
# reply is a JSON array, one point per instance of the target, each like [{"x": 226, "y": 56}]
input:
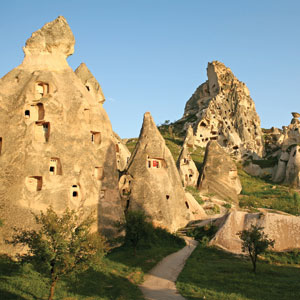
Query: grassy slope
[
  {"x": 218, "y": 275},
  {"x": 116, "y": 279}
]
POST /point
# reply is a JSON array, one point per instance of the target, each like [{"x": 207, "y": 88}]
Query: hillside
[{"x": 256, "y": 192}]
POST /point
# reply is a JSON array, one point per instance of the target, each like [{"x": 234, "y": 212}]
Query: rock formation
[
  {"x": 156, "y": 186},
  {"x": 56, "y": 140},
  {"x": 283, "y": 228},
  {"x": 187, "y": 168},
  {"x": 219, "y": 174},
  {"x": 221, "y": 109},
  {"x": 122, "y": 152}
]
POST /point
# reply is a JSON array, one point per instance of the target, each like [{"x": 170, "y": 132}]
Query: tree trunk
[{"x": 52, "y": 288}]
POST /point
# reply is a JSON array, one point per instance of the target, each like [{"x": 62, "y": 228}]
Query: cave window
[
  {"x": 102, "y": 194},
  {"x": 202, "y": 124},
  {"x": 167, "y": 197},
  {"x": 98, "y": 173},
  {"x": 0, "y": 145},
  {"x": 35, "y": 183},
  {"x": 27, "y": 113},
  {"x": 214, "y": 138},
  {"x": 235, "y": 147},
  {"x": 41, "y": 89},
  {"x": 294, "y": 153},
  {"x": 75, "y": 191},
  {"x": 96, "y": 137},
  {"x": 149, "y": 164},
  {"x": 187, "y": 205},
  {"x": 55, "y": 166},
  {"x": 46, "y": 130},
  {"x": 87, "y": 87},
  {"x": 117, "y": 148},
  {"x": 156, "y": 164},
  {"x": 41, "y": 111}
]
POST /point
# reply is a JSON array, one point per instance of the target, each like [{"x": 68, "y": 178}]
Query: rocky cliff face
[
  {"x": 221, "y": 109},
  {"x": 56, "y": 142},
  {"x": 283, "y": 228},
  {"x": 219, "y": 174},
  {"x": 152, "y": 182}
]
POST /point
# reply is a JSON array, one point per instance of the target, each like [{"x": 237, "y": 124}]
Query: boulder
[
  {"x": 219, "y": 174},
  {"x": 156, "y": 186},
  {"x": 56, "y": 140},
  {"x": 283, "y": 228}
]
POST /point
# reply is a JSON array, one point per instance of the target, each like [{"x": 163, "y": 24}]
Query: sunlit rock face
[
  {"x": 221, "y": 109},
  {"x": 282, "y": 228},
  {"x": 155, "y": 185},
  {"x": 219, "y": 174},
  {"x": 56, "y": 142}
]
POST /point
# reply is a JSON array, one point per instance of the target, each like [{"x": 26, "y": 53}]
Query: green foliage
[
  {"x": 136, "y": 228},
  {"x": 227, "y": 205},
  {"x": 213, "y": 274},
  {"x": 203, "y": 234},
  {"x": 131, "y": 143},
  {"x": 139, "y": 232},
  {"x": 213, "y": 210},
  {"x": 255, "y": 242},
  {"x": 116, "y": 276},
  {"x": 63, "y": 244},
  {"x": 194, "y": 191},
  {"x": 258, "y": 192}
]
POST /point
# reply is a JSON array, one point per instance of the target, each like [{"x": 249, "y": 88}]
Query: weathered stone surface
[
  {"x": 49, "y": 47},
  {"x": 196, "y": 209},
  {"x": 219, "y": 174},
  {"x": 284, "y": 229},
  {"x": 187, "y": 168},
  {"x": 56, "y": 140},
  {"x": 156, "y": 186},
  {"x": 90, "y": 82},
  {"x": 122, "y": 152},
  {"x": 292, "y": 175},
  {"x": 221, "y": 109}
]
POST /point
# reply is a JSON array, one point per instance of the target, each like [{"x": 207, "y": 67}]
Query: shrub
[{"x": 62, "y": 245}]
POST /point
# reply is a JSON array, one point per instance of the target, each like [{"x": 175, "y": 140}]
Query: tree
[
  {"x": 255, "y": 241},
  {"x": 136, "y": 228},
  {"x": 62, "y": 244}
]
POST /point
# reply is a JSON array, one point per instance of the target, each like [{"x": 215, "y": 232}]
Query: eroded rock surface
[
  {"x": 156, "y": 186},
  {"x": 219, "y": 174},
  {"x": 284, "y": 229},
  {"x": 221, "y": 109},
  {"x": 56, "y": 140}
]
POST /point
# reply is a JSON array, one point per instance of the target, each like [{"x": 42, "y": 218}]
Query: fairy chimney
[
  {"x": 156, "y": 186},
  {"x": 56, "y": 140},
  {"x": 219, "y": 174}
]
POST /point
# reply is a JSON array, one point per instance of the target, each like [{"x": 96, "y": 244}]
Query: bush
[
  {"x": 139, "y": 232},
  {"x": 203, "y": 234}
]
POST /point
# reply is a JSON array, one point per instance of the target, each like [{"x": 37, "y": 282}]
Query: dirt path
[{"x": 159, "y": 283}]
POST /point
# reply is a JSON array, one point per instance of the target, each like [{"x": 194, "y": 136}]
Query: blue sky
[{"x": 151, "y": 55}]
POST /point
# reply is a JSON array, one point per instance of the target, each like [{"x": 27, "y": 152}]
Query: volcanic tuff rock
[
  {"x": 56, "y": 142},
  {"x": 187, "y": 168},
  {"x": 284, "y": 229},
  {"x": 156, "y": 186},
  {"x": 219, "y": 174},
  {"x": 122, "y": 152},
  {"x": 221, "y": 109}
]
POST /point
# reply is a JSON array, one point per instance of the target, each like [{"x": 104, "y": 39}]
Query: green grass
[
  {"x": 216, "y": 275},
  {"x": 258, "y": 192},
  {"x": 116, "y": 279},
  {"x": 131, "y": 143},
  {"x": 194, "y": 191}
]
